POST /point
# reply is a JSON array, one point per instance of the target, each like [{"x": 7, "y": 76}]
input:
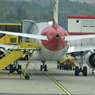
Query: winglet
[{"x": 55, "y": 15}]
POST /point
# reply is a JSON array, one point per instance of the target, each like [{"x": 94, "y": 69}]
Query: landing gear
[
  {"x": 84, "y": 71},
  {"x": 77, "y": 70},
  {"x": 14, "y": 68},
  {"x": 43, "y": 66}
]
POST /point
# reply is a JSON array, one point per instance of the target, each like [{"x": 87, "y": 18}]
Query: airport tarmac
[{"x": 54, "y": 81}]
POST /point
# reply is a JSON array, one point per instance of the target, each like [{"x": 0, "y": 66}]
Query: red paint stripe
[
  {"x": 80, "y": 33},
  {"x": 86, "y": 17}
]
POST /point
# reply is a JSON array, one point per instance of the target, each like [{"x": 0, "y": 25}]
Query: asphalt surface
[{"x": 52, "y": 82}]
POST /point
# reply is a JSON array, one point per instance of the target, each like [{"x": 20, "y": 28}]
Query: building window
[
  {"x": 91, "y": 23},
  {"x": 77, "y": 21},
  {"x": 85, "y": 23}
]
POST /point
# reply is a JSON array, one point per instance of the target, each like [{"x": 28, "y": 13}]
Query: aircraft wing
[
  {"x": 25, "y": 35},
  {"x": 78, "y": 49},
  {"x": 69, "y": 38}
]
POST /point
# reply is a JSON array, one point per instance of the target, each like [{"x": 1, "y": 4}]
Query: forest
[{"x": 15, "y": 11}]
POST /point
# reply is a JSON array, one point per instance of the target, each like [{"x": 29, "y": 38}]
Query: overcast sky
[{"x": 88, "y": 1}]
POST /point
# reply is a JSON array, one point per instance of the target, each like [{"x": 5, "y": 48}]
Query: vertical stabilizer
[{"x": 55, "y": 15}]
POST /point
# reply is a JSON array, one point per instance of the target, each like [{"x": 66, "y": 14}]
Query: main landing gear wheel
[
  {"x": 76, "y": 71},
  {"x": 27, "y": 77},
  {"x": 85, "y": 71}
]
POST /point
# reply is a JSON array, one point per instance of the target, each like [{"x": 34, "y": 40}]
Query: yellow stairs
[
  {"x": 10, "y": 58},
  {"x": 17, "y": 53}
]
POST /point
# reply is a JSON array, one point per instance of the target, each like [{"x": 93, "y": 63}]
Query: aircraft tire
[
  {"x": 76, "y": 71},
  {"x": 84, "y": 71},
  {"x": 41, "y": 67},
  {"x": 45, "y": 69},
  {"x": 11, "y": 69},
  {"x": 19, "y": 67}
]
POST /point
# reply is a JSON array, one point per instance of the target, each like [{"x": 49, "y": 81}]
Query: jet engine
[
  {"x": 2, "y": 52},
  {"x": 90, "y": 59}
]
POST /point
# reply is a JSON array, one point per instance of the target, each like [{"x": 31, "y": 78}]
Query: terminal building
[{"x": 81, "y": 25}]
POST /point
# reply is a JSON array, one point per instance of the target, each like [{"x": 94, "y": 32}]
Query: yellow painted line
[
  {"x": 32, "y": 71},
  {"x": 56, "y": 82}
]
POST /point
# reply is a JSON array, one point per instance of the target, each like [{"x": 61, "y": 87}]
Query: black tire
[
  {"x": 76, "y": 71},
  {"x": 11, "y": 69},
  {"x": 84, "y": 71},
  {"x": 19, "y": 67},
  {"x": 27, "y": 77},
  {"x": 41, "y": 67},
  {"x": 45, "y": 69},
  {"x": 70, "y": 68},
  {"x": 19, "y": 72}
]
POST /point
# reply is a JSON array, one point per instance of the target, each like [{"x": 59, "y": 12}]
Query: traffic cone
[{"x": 92, "y": 71}]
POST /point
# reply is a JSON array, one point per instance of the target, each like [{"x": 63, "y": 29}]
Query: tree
[
  {"x": 1, "y": 13},
  {"x": 10, "y": 13},
  {"x": 23, "y": 13},
  {"x": 35, "y": 15},
  {"x": 84, "y": 12}
]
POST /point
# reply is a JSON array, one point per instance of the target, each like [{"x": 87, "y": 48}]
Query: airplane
[{"x": 54, "y": 43}]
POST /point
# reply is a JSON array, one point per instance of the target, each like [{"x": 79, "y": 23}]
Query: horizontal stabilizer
[
  {"x": 69, "y": 38},
  {"x": 25, "y": 35}
]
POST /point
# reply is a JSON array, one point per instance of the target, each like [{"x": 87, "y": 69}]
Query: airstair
[{"x": 15, "y": 53}]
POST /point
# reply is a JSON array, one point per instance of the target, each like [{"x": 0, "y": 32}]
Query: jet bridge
[{"x": 15, "y": 53}]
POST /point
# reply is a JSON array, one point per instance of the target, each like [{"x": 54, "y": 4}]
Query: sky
[{"x": 87, "y": 1}]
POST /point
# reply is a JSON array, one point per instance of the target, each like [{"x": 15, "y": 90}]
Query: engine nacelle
[
  {"x": 2, "y": 51},
  {"x": 90, "y": 59}
]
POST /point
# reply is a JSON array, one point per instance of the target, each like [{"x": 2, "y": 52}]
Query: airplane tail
[{"x": 55, "y": 15}]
